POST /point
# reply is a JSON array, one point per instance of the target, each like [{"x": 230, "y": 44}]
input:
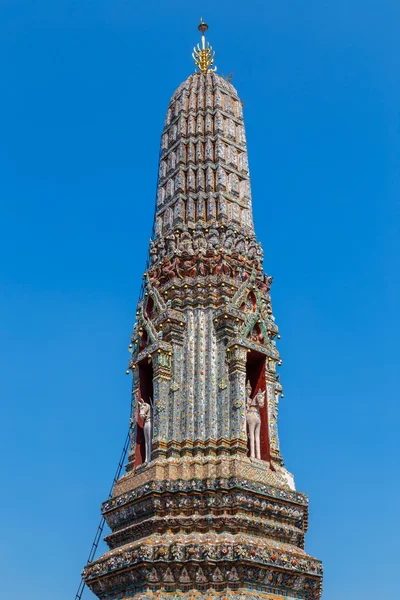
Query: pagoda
[{"x": 206, "y": 508}]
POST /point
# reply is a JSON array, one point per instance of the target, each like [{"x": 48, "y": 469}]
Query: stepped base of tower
[
  {"x": 240, "y": 594},
  {"x": 202, "y": 528},
  {"x": 205, "y": 467}
]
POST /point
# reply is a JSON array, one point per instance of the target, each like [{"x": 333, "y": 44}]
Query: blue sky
[{"x": 84, "y": 90}]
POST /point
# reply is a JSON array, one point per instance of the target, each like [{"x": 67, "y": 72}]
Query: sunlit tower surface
[{"x": 206, "y": 508}]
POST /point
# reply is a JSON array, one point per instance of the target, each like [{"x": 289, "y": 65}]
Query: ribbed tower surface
[{"x": 202, "y": 519}]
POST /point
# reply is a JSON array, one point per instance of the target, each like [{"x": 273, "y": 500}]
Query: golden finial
[{"x": 204, "y": 56}]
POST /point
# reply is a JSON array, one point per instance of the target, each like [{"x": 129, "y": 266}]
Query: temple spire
[
  {"x": 204, "y": 56},
  {"x": 207, "y": 509}
]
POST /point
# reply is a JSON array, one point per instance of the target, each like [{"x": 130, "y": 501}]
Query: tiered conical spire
[{"x": 206, "y": 507}]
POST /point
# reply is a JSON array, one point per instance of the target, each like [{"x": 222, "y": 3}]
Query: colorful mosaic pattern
[
  {"x": 202, "y": 520},
  {"x": 204, "y": 173}
]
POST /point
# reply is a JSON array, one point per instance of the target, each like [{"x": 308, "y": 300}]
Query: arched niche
[
  {"x": 145, "y": 393},
  {"x": 255, "y": 374}
]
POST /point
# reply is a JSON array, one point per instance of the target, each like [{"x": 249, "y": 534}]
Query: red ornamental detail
[{"x": 190, "y": 266}]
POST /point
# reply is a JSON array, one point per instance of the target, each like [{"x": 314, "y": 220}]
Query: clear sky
[{"x": 84, "y": 90}]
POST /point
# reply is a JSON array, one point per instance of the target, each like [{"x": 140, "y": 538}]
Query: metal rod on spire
[{"x": 203, "y": 28}]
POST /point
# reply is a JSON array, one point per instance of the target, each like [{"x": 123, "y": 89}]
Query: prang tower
[{"x": 206, "y": 508}]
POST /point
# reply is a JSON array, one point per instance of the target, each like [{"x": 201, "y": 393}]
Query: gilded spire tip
[{"x": 203, "y": 56}]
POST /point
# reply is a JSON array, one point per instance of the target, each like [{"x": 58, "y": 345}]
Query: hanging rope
[
  {"x": 124, "y": 452},
  {"x": 100, "y": 528}
]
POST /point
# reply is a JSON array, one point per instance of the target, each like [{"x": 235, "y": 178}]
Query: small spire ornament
[{"x": 204, "y": 56}]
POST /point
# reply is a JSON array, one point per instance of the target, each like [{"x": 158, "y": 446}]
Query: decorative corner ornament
[
  {"x": 204, "y": 56},
  {"x": 223, "y": 384},
  {"x": 160, "y": 406},
  {"x": 237, "y": 403}
]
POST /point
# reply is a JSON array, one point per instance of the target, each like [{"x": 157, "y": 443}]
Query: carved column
[
  {"x": 224, "y": 396},
  {"x": 237, "y": 378},
  {"x": 161, "y": 381},
  {"x": 135, "y": 392},
  {"x": 273, "y": 389},
  {"x": 176, "y": 398},
  {"x": 174, "y": 334}
]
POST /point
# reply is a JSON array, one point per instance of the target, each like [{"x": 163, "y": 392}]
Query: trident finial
[{"x": 204, "y": 56}]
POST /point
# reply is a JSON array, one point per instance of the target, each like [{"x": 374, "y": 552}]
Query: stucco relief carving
[{"x": 201, "y": 241}]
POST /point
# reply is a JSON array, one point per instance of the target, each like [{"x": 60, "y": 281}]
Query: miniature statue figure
[
  {"x": 161, "y": 247},
  {"x": 153, "y": 252},
  {"x": 240, "y": 246},
  {"x": 145, "y": 414},
  {"x": 153, "y": 278},
  {"x": 253, "y": 420},
  {"x": 229, "y": 240},
  {"x": 202, "y": 268},
  {"x": 223, "y": 267},
  {"x": 186, "y": 244},
  {"x": 260, "y": 253},
  {"x": 171, "y": 243},
  {"x": 188, "y": 268},
  {"x": 252, "y": 250},
  {"x": 213, "y": 239},
  {"x": 169, "y": 269},
  {"x": 199, "y": 243}
]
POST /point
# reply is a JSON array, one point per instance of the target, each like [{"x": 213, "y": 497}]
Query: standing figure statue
[
  {"x": 171, "y": 243},
  {"x": 253, "y": 420},
  {"x": 199, "y": 242},
  {"x": 153, "y": 252},
  {"x": 186, "y": 243},
  {"x": 145, "y": 414}
]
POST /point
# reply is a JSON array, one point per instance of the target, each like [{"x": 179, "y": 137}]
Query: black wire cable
[
  {"x": 124, "y": 452},
  {"x": 100, "y": 528}
]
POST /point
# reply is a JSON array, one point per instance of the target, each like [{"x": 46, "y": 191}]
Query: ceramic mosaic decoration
[{"x": 206, "y": 508}]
